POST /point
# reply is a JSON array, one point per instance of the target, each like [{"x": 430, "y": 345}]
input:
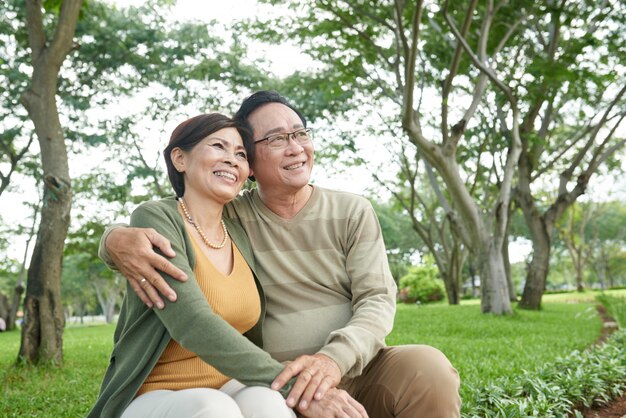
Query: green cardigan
[{"x": 143, "y": 333}]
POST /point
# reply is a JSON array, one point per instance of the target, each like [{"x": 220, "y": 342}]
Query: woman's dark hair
[
  {"x": 189, "y": 133},
  {"x": 260, "y": 98}
]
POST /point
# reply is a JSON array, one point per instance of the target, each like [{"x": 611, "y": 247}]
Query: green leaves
[{"x": 556, "y": 390}]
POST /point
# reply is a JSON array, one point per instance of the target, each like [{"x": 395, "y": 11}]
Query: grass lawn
[
  {"x": 482, "y": 347},
  {"x": 55, "y": 392}
]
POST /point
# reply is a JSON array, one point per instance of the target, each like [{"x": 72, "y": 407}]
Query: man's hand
[
  {"x": 336, "y": 404},
  {"x": 316, "y": 375},
  {"x": 131, "y": 249}
]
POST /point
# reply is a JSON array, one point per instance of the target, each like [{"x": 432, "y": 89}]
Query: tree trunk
[
  {"x": 472, "y": 273},
  {"x": 15, "y": 306},
  {"x": 19, "y": 287},
  {"x": 507, "y": 270},
  {"x": 540, "y": 236},
  {"x": 42, "y": 332},
  {"x": 493, "y": 282},
  {"x": 539, "y": 264},
  {"x": 4, "y": 308},
  {"x": 452, "y": 282},
  {"x": 107, "y": 299},
  {"x": 451, "y": 270},
  {"x": 580, "y": 287}
]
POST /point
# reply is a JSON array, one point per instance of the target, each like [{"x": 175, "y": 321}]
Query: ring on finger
[{"x": 143, "y": 282}]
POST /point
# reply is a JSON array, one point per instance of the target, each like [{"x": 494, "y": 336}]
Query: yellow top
[{"x": 235, "y": 298}]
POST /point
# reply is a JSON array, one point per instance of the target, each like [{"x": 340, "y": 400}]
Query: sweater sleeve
[
  {"x": 373, "y": 297},
  {"x": 103, "y": 254},
  {"x": 190, "y": 320}
]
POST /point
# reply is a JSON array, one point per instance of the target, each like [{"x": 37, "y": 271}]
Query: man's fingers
[
  {"x": 323, "y": 387},
  {"x": 292, "y": 369},
  {"x": 298, "y": 388},
  {"x": 140, "y": 293},
  {"x": 163, "y": 264},
  {"x": 162, "y": 243},
  {"x": 154, "y": 297},
  {"x": 310, "y": 390}
]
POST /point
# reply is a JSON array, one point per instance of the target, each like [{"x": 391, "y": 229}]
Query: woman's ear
[{"x": 178, "y": 159}]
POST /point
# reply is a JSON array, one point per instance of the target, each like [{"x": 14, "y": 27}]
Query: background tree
[
  {"x": 426, "y": 206},
  {"x": 378, "y": 49},
  {"x": 42, "y": 332},
  {"x": 575, "y": 89},
  {"x": 402, "y": 245},
  {"x": 572, "y": 233},
  {"x": 492, "y": 58},
  {"x": 117, "y": 53}
]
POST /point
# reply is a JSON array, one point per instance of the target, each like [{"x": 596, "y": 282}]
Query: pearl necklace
[{"x": 204, "y": 238}]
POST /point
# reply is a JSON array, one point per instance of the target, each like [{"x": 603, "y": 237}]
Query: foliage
[
  {"x": 580, "y": 379},
  {"x": 422, "y": 284},
  {"x": 401, "y": 241},
  {"x": 615, "y": 306}
]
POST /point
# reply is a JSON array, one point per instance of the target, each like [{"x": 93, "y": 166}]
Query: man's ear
[{"x": 178, "y": 159}]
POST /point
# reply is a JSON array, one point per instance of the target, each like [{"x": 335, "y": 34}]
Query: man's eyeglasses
[{"x": 279, "y": 141}]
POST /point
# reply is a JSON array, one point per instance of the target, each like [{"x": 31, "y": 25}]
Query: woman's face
[{"x": 216, "y": 167}]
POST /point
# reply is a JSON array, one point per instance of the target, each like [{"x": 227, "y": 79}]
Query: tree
[
  {"x": 486, "y": 63},
  {"x": 575, "y": 108},
  {"x": 19, "y": 285},
  {"x": 42, "y": 332},
  {"x": 117, "y": 53},
  {"x": 573, "y": 234},
  {"x": 401, "y": 245},
  {"x": 378, "y": 48},
  {"x": 427, "y": 215}
]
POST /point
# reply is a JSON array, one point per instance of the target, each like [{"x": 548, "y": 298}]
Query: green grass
[
  {"x": 485, "y": 347},
  {"x": 69, "y": 391},
  {"x": 588, "y": 296},
  {"x": 482, "y": 348}
]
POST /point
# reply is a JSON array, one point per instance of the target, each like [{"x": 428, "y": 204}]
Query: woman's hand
[
  {"x": 316, "y": 375},
  {"x": 336, "y": 404},
  {"x": 132, "y": 252}
]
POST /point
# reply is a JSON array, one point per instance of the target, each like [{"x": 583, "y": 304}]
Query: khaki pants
[{"x": 409, "y": 381}]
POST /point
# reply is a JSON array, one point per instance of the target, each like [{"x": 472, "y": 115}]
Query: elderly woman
[{"x": 199, "y": 356}]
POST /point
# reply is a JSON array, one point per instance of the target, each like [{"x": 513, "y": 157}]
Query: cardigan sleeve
[{"x": 190, "y": 320}]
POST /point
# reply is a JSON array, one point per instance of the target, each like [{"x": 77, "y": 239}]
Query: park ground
[{"x": 488, "y": 351}]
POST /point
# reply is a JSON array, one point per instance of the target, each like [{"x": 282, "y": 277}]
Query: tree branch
[
  {"x": 36, "y": 34},
  {"x": 408, "y": 119},
  {"x": 454, "y": 67},
  {"x": 61, "y": 43},
  {"x": 476, "y": 60}
]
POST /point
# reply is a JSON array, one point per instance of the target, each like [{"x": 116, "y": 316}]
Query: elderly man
[{"x": 330, "y": 297}]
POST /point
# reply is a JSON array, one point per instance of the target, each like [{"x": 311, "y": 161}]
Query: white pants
[{"x": 233, "y": 400}]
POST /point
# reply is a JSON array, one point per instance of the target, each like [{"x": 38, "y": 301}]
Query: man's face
[{"x": 288, "y": 168}]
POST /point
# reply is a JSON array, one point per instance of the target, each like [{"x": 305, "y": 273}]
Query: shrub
[
  {"x": 422, "y": 284},
  {"x": 615, "y": 306},
  {"x": 579, "y": 380}
]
